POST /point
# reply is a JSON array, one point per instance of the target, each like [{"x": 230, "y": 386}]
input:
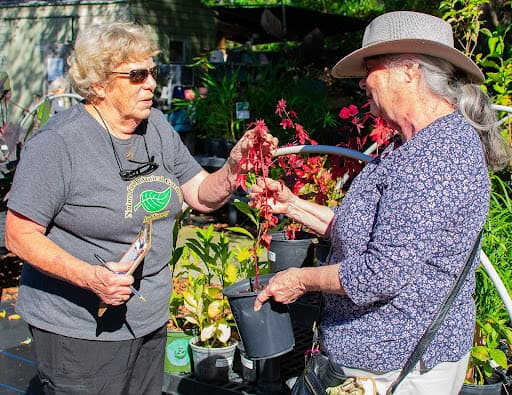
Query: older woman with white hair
[
  {"x": 87, "y": 183},
  {"x": 409, "y": 219}
]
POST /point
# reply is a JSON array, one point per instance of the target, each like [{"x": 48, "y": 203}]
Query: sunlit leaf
[
  {"x": 207, "y": 332},
  {"x": 192, "y": 320},
  {"x": 231, "y": 273},
  {"x": 480, "y": 353},
  {"x": 242, "y": 231},
  {"x": 215, "y": 308},
  {"x": 499, "y": 357},
  {"x": 190, "y": 301},
  {"x": 224, "y": 332}
]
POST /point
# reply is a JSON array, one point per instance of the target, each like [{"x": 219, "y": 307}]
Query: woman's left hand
[
  {"x": 242, "y": 147},
  {"x": 285, "y": 287}
]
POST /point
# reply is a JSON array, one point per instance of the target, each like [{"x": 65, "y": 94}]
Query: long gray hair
[{"x": 444, "y": 80}]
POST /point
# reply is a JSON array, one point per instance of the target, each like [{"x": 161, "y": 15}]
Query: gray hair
[
  {"x": 99, "y": 49},
  {"x": 446, "y": 81}
]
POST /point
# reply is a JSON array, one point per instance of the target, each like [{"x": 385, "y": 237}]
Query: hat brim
[{"x": 353, "y": 66}]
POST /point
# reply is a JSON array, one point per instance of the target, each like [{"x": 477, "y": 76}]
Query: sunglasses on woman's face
[{"x": 139, "y": 75}]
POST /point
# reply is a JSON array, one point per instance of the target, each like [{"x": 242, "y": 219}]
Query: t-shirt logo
[{"x": 153, "y": 201}]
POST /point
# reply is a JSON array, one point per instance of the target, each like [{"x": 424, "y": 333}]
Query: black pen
[{"x": 106, "y": 266}]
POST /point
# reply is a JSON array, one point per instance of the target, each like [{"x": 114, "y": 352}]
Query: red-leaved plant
[
  {"x": 319, "y": 178},
  {"x": 259, "y": 159}
]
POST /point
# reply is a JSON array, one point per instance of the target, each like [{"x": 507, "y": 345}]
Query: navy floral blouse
[{"x": 401, "y": 236}]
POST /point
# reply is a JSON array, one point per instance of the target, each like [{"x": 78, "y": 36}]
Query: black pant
[{"x": 72, "y": 366}]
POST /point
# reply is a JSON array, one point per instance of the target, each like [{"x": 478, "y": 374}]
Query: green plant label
[{"x": 177, "y": 352}]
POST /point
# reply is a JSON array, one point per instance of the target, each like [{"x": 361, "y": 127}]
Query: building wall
[
  {"x": 31, "y": 34},
  {"x": 175, "y": 20}
]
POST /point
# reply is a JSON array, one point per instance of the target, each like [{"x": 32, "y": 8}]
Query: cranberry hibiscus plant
[{"x": 318, "y": 178}]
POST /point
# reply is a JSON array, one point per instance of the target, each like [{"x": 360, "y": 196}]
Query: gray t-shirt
[{"x": 68, "y": 181}]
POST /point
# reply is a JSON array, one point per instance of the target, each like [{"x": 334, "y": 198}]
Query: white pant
[{"x": 443, "y": 379}]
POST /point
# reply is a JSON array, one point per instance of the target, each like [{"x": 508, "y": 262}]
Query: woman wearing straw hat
[{"x": 409, "y": 219}]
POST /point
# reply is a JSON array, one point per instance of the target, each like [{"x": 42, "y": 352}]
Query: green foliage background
[{"x": 356, "y": 8}]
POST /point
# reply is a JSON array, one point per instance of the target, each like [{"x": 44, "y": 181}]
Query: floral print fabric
[{"x": 401, "y": 236}]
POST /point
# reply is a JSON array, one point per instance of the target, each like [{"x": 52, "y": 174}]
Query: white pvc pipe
[
  {"x": 499, "y": 107},
  {"x": 500, "y": 287},
  {"x": 332, "y": 150},
  {"x": 32, "y": 111},
  {"x": 323, "y": 149}
]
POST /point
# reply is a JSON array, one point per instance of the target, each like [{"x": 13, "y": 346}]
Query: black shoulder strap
[{"x": 438, "y": 319}]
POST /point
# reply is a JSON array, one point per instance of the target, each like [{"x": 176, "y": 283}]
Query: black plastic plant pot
[
  {"x": 487, "y": 389},
  {"x": 285, "y": 253},
  {"x": 322, "y": 251},
  {"x": 266, "y": 333}
]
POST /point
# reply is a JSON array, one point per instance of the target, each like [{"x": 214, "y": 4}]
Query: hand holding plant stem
[
  {"x": 310, "y": 176},
  {"x": 259, "y": 160}
]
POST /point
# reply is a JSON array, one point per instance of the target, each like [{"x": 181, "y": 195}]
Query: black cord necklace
[{"x": 145, "y": 167}]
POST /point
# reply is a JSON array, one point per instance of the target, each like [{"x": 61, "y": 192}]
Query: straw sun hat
[{"x": 406, "y": 32}]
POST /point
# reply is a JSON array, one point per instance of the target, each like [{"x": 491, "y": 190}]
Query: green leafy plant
[
  {"x": 499, "y": 64},
  {"x": 211, "y": 254},
  {"x": 492, "y": 345},
  {"x": 249, "y": 258},
  {"x": 495, "y": 57},
  {"x": 208, "y": 311},
  {"x": 213, "y": 113},
  {"x": 176, "y": 302},
  {"x": 492, "y": 340},
  {"x": 464, "y": 16},
  {"x": 207, "y": 263}
]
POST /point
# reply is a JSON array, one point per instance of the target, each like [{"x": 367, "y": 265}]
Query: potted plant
[
  {"x": 267, "y": 333},
  {"x": 178, "y": 354},
  {"x": 321, "y": 179},
  {"x": 492, "y": 345},
  {"x": 308, "y": 178},
  {"x": 213, "y": 349},
  {"x": 212, "y": 111},
  {"x": 488, "y": 358},
  {"x": 206, "y": 264}
]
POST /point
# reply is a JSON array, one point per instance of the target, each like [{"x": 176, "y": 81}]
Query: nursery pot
[
  {"x": 485, "y": 389},
  {"x": 178, "y": 355},
  {"x": 322, "y": 251},
  {"x": 285, "y": 253},
  {"x": 213, "y": 364},
  {"x": 266, "y": 333},
  {"x": 244, "y": 366}
]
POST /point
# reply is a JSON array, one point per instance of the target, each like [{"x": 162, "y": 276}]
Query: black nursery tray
[{"x": 303, "y": 313}]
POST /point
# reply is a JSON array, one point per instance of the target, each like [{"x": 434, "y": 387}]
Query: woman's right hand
[
  {"x": 112, "y": 288},
  {"x": 279, "y": 197}
]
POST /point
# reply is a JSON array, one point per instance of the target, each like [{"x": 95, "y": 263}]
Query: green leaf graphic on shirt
[{"x": 153, "y": 201}]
